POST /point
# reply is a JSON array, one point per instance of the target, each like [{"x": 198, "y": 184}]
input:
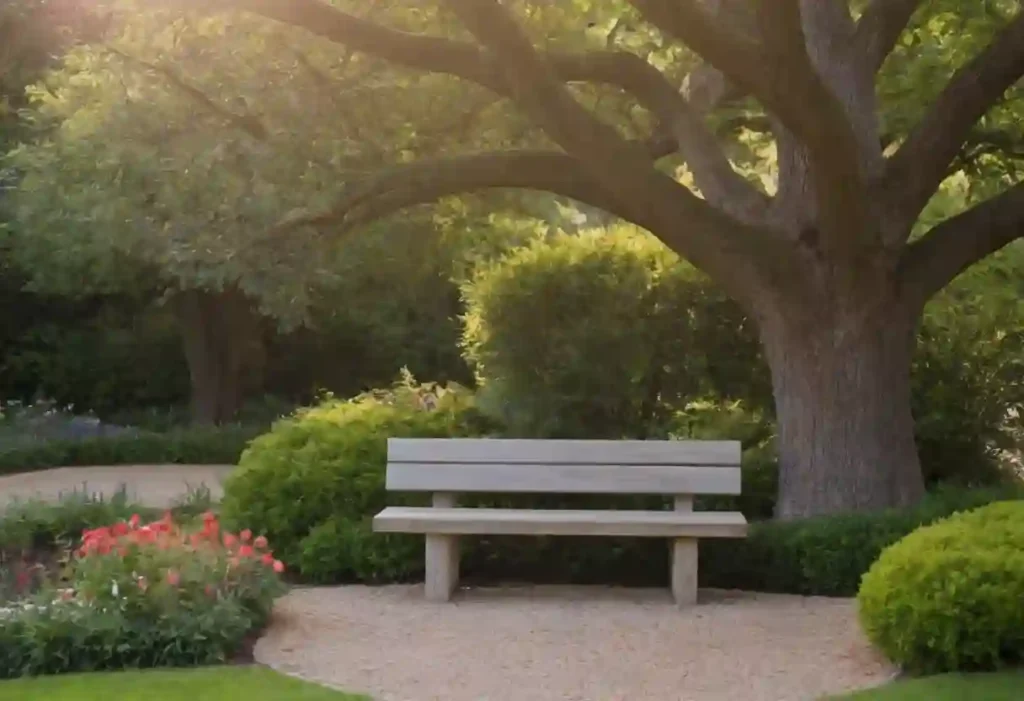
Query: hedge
[
  {"x": 197, "y": 446},
  {"x": 950, "y": 597}
]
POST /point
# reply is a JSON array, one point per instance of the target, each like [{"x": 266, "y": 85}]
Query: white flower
[{"x": 114, "y": 590}]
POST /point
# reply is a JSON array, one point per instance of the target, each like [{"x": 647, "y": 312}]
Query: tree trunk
[
  {"x": 842, "y": 394},
  {"x": 224, "y": 348}
]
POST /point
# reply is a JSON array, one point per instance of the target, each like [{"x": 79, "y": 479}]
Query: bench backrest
[{"x": 563, "y": 467}]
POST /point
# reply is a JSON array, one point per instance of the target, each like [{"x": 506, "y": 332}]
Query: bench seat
[{"x": 646, "y": 524}]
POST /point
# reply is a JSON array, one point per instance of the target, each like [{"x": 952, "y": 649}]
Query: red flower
[
  {"x": 246, "y": 551},
  {"x": 134, "y": 521},
  {"x": 120, "y": 529},
  {"x": 278, "y": 566},
  {"x": 260, "y": 542},
  {"x": 267, "y": 559},
  {"x": 230, "y": 540},
  {"x": 246, "y": 535}
]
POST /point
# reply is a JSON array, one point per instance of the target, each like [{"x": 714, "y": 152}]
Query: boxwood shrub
[{"x": 950, "y": 597}]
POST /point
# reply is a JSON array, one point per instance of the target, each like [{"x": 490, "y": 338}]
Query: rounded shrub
[
  {"x": 950, "y": 596},
  {"x": 313, "y": 483},
  {"x": 602, "y": 335}
]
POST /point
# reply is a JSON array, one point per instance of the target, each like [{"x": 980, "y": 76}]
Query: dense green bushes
[
  {"x": 950, "y": 597},
  {"x": 602, "y": 336},
  {"x": 313, "y": 483}
]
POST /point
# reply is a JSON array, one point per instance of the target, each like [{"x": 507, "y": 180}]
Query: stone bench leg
[
  {"x": 684, "y": 560},
  {"x": 684, "y": 571},
  {"x": 442, "y": 566},
  {"x": 442, "y": 557}
]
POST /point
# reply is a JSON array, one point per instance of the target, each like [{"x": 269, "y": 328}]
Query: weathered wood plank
[
  {"x": 652, "y": 524},
  {"x": 562, "y": 479},
  {"x": 598, "y": 452}
]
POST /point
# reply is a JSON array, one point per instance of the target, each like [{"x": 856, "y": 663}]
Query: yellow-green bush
[
  {"x": 313, "y": 483},
  {"x": 950, "y": 596}
]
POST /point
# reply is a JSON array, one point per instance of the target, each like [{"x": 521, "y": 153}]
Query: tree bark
[
  {"x": 224, "y": 348},
  {"x": 842, "y": 393}
]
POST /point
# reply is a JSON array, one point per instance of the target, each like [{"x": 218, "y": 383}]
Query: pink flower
[
  {"x": 245, "y": 551},
  {"x": 173, "y": 578},
  {"x": 260, "y": 542},
  {"x": 230, "y": 540},
  {"x": 246, "y": 535},
  {"x": 134, "y": 520},
  {"x": 278, "y": 566},
  {"x": 267, "y": 559}
]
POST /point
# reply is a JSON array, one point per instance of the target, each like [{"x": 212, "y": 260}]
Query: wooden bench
[{"x": 447, "y": 467}]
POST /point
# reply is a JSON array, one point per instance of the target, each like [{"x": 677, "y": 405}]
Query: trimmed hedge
[
  {"x": 197, "y": 446},
  {"x": 950, "y": 597},
  {"x": 827, "y": 556}
]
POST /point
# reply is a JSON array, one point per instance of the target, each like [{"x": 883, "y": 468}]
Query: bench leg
[
  {"x": 684, "y": 571},
  {"x": 442, "y": 566}
]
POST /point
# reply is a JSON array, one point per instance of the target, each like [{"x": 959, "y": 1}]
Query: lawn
[
  {"x": 975, "y": 687},
  {"x": 205, "y": 684}
]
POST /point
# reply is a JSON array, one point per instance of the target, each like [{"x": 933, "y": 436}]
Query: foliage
[
  {"x": 144, "y": 595},
  {"x": 968, "y": 373},
  {"x": 320, "y": 473},
  {"x": 195, "y": 446},
  {"x": 948, "y": 597},
  {"x": 601, "y": 336},
  {"x": 252, "y": 682},
  {"x": 1004, "y": 686},
  {"x": 827, "y": 556}
]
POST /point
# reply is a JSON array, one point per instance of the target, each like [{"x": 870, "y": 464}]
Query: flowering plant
[{"x": 162, "y": 566}]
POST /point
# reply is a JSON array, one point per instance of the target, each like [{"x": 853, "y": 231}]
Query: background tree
[
  {"x": 823, "y": 256},
  {"x": 165, "y": 154}
]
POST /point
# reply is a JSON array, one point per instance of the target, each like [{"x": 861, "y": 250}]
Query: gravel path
[
  {"x": 151, "y": 485},
  {"x": 570, "y": 644}
]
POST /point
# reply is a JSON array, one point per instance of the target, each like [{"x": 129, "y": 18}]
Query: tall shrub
[{"x": 601, "y": 335}]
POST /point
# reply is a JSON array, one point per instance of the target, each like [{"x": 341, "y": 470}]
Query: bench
[{"x": 448, "y": 467}]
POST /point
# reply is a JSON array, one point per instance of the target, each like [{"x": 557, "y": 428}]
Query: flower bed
[{"x": 137, "y": 594}]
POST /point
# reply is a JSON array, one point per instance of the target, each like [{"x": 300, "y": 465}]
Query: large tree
[{"x": 825, "y": 258}]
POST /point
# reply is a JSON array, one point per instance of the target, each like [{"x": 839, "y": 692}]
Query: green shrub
[
  {"x": 216, "y": 445},
  {"x": 319, "y": 475},
  {"x": 950, "y": 597},
  {"x": 601, "y": 336},
  {"x": 826, "y": 556}
]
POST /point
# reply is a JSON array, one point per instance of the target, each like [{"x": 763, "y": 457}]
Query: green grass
[
  {"x": 1008, "y": 686},
  {"x": 205, "y": 684}
]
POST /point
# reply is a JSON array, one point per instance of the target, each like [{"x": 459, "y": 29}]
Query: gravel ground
[
  {"x": 570, "y": 644},
  {"x": 152, "y": 485}
]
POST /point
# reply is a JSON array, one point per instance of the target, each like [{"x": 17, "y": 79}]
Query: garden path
[{"x": 151, "y": 485}]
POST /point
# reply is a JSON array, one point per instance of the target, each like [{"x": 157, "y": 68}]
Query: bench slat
[
  {"x": 562, "y": 479},
  {"x": 653, "y": 524},
  {"x": 600, "y": 452}
]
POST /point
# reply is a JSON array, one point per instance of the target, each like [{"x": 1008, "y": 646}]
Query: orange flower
[
  {"x": 260, "y": 542},
  {"x": 246, "y": 535},
  {"x": 278, "y": 566}
]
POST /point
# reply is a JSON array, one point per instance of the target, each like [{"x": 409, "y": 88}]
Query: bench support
[
  {"x": 442, "y": 557},
  {"x": 684, "y": 561}
]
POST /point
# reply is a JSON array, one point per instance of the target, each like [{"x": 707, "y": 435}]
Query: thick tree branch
[
  {"x": 931, "y": 263},
  {"x": 880, "y": 28},
  {"x": 921, "y": 163},
  {"x": 428, "y": 181}
]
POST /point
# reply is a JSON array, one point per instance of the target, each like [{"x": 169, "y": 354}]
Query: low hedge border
[{"x": 195, "y": 446}]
